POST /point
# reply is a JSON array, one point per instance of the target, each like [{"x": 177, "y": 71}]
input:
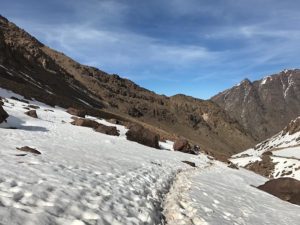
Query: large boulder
[
  {"x": 182, "y": 145},
  {"x": 287, "y": 189},
  {"x": 3, "y": 114},
  {"x": 109, "y": 130},
  {"x": 84, "y": 122},
  {"x": 76, "y": 112},
  {"x": 143, "y": 136}
]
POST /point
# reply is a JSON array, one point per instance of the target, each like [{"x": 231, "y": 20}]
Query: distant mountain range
[{"x": 230, "y": 122}]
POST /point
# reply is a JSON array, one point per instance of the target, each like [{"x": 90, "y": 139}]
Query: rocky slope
[
  {"x": 278, "y": 156},
  {"x": 266, "y": 106},
  {"x": 35, "y": 71}
]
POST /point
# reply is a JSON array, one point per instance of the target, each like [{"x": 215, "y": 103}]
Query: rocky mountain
[
  {"x": 33, "y": 70},
  {"x": 276, "y": 157},
  {"x": 266, "y": 106}
]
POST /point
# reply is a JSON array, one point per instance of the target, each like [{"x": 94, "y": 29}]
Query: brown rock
[
  {"x": 29, "y": 149},
  {"x": 265, "y": 167},
  {"x": 143, "y": 136},
  {"x": 3, "y": 114},
  {"x": 293, "y": 127},
  {"x": 76, "y": 112},
  {"x": 182, "y": 145},
  {"x": 287, "y": 189},
  {"x": 31, "y": 113},
  {"x": 109, "y": 130},
  {"x": 269, "y": 153},
  {"x": 85, "y": 122}
]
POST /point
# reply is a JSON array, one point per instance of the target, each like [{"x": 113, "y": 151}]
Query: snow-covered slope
[
  {"x": 81, "y": 177},
  {"x": 86, "y": 178},
  {"x": 224, "y": 196},
  {"x": 283, "y": 149}
]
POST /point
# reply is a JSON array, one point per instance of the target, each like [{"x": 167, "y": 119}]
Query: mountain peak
[
  {"x": 273, "y": 105},
  {"x": 246, "y": 81}
]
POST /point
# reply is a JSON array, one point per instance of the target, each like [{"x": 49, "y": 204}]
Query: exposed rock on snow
[
  {"x": 76, "y": 112},
  {"x": 278, "y": 156},
  {"x": 84, "y": 122},
  {"x": 3, "y": 114},
  {"x": 109, "y": 130},
  {"x": 32, "y": 113},
  {"x": 192, "y": 164},
  {"x": 182, "y": 145},
  {"x": 143, "y": 136},
  {"x": 29, "y": 149},
  {"x": 20, "y": 100},
  {"x": 287, "y": 189},
  {"x": 33, "y": 106},
  {"x": 265, "y": 167}
]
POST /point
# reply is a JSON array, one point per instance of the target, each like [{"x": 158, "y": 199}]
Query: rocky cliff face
[
  {"x": 34, "y": 70},
  {"x": 266, "y": 106}
]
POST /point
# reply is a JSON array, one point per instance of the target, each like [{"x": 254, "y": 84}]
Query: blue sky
[{"x": 195, "y": 47}]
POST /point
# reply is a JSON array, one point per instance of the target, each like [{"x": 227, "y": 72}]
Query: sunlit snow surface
[
  {"x": 84, "y": 178},
  {"x": 225, "y": 196}
]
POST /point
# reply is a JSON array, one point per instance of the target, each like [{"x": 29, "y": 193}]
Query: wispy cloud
[{"x": 208, "y": 45}]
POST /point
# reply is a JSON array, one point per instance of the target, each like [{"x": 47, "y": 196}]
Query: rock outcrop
[{"x": 293, "y": 127}]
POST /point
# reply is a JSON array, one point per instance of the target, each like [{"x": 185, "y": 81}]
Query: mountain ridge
[
  {"x": 266, "y": 106},
  {"x": 34, "y": 70}
]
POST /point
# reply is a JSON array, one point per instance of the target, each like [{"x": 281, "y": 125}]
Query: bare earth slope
[
  {"x": 35, "y": 71},
  {"x": 266, "y": 106}
]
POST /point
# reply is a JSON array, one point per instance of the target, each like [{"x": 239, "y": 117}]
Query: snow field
[
  {"x": 87, "y": 178},
  {"x": 81, "y": 177},
  {"x": 226, "y": 196}
]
